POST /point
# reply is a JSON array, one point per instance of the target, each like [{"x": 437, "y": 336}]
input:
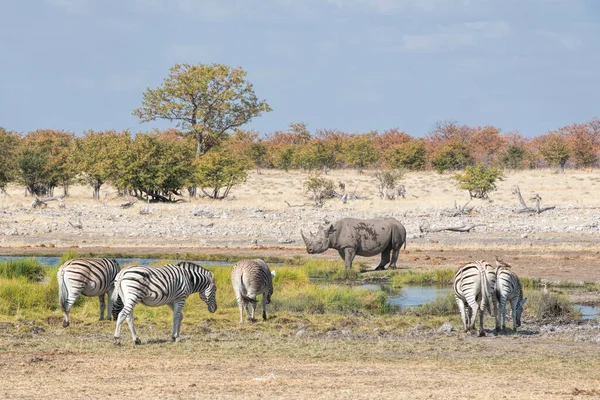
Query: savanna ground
[{"x": 297, "y": 355}]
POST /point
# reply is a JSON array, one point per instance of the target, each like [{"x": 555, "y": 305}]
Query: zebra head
[
  {"x": 519, "y": 311},
  {"x": 209, "y": 294}
]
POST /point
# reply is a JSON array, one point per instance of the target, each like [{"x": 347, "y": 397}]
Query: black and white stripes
[
  {"x": 472, "y": 290},
  {"x": 251, "y": 278},
  {"x": 508, "y": 288},
  {"x": 156, "y": 286},
  {"x": 87, "y": 276}
]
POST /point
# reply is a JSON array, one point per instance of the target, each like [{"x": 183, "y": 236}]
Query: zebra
[
  {"x": 509, "y": 288},
  {"x": 170, "y": 284},
  {"x": 249, "y": 279},
  {"x": 87, "y": 276},
  {"x": 473, "y": 287}
]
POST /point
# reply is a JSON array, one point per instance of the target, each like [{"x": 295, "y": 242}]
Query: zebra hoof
[
  {"x": 379, "y": 268},
  {"x": 66, "y": 323},
  {"x": 138, "y": 341},
  {"x": 117, "y": 342},
  {"x": 480, "y": 334}
]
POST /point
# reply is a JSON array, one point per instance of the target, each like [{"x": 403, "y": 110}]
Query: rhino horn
[{"x": 303, "y": 237}]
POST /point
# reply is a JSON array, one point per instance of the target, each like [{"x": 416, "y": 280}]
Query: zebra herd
[
  {"x": 476, "y": 285},
  {"x": 170, "y": 284}
]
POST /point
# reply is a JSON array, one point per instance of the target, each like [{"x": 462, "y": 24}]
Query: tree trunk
[{"x": 97, "y": 186}]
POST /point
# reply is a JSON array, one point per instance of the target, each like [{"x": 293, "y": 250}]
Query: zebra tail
[
  {"x": 244, "y": 297},
  {"x": 63, "y": 292},
  {"x": 485, "y": 292},
  {"x": 117, "y": 299}
]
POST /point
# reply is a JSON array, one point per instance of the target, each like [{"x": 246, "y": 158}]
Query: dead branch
[
  {"x": 425, "y": 228},
  {"x": 77, "y": 225},
  {"x": 316, "y": 204},
  {"x": 526, "y": 209},
  {"x": 42, "y": 202},
  {"x": 458, "y": 210},
  {"x": 4, "y": 192},
  {"x": 128, "y": 204}
]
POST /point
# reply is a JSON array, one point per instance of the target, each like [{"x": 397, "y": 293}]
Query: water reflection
[
  {"x": 410, "y": 295},
  {"x": 53, "y": 261}
]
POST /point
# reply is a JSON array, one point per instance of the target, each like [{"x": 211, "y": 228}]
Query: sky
[{"x": 352, "y": 65}]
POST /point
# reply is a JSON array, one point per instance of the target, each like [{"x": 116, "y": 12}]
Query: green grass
[
  {"x": 438, "y": 276},
  {"x": 540, "y": 306},
  {"x": 442, "y": 305},
  {"x": 28, "y": 268}
]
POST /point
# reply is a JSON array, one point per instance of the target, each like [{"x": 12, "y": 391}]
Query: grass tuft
[{"x": 28, "y": 268}]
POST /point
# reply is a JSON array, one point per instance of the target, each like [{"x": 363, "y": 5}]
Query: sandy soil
[{"x": 560, "y": 244}]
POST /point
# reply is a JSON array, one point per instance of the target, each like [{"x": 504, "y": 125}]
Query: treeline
[{"x": 160, "y": 164}]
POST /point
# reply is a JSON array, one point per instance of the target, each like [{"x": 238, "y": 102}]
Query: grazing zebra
[
  {"x": 87, "y": 276},
  {"x": 472, "y": 291},
  {"x": 508, "y": 288},
  {"x": 249, "y": 279},
  {"x": 170, "y": 284}
]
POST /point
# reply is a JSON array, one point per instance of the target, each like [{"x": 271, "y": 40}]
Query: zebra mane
[{"x": 196, "y": 268}]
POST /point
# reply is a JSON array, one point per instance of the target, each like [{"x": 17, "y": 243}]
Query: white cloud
[
  {"x": 456, "y": 36},
  {"x": 72, "y": 6}
]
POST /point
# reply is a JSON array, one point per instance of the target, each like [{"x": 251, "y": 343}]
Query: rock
[
  {"x": 524, "y": 236},
  {"x": 446, "y": 328},
  {"x": 301, "y": 332},
  {"x": 254, "y": 242},
  {"x": 285, "y": 240}
]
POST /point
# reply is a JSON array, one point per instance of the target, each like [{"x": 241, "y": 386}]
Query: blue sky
[{"x": 354, "y": 65}]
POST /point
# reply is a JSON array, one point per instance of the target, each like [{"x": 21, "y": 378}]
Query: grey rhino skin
[{"x": 363, "y": 237}]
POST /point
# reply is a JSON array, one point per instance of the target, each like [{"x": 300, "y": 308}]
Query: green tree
[
  {"x": 479, "y": 180},
  {"x": 97, "y": 157},
  {"x": 205, "y": 100},
  {"x": 9, "y": 142},
  {"x": 218, "y": 171},
  {"x": 156, "y": 165},
  {"x": 315, "y": 155},
  {"x": 555, "y": 150},
  {"x": 514, "y": 156},
  {"x": 359, "y": 152},
  {"x": 411, "y": 155},
  {"x": 453, "y": 156},
  {"x": 284, "y": 158},
  {"x": 257, "y": 152}
]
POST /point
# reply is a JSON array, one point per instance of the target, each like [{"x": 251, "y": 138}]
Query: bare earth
[{"x": 560, "y": 244}]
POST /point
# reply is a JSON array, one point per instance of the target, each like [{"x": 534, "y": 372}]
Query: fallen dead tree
[
  {"x": 315, "y": 204},
  {"x": 525, "y": 208},
  {"x": 426, "y": 228},
  {"x": 458, "y": 210},
  {"x": 41, "y": 202}
]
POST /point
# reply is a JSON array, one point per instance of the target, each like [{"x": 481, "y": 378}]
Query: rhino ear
[{"x": 331, "y": 229}]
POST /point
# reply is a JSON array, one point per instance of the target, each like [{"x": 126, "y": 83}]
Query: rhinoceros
[{"x": 363, "y": 237}]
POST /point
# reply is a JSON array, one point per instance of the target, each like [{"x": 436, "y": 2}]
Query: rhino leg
[
  {"x": 349, "y": 254},
  {"x": 385, "y": 259},
  {"x": 394, "y": 258}
]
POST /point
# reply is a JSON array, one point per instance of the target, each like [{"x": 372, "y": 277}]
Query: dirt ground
[{"x": 541, "y": 362}]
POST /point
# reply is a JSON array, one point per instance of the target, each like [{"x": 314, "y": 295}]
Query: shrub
[
  {"x": 28, "y": 268},
  {"x": 318, "y": 188},
  {"x": 547, "y": 306},
  {"x": 442, "y": 305},
  {"x": 453, "y": 156},
  {"x": 479, "y": 180}
]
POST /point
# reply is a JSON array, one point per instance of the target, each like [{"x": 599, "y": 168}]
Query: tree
[
  {"x": 411, "y": 155},
  {"x": 218, "y": 171},
  {"x": 555, "y": 151},
  {"x": 97, "y": 157},
  {"x": 205, "y": 100},
  {"x": 452, "y": 156},
  {"x": 9, "y": 142},
  {"x": 359, "y": 152},
  {"x": 513, "y": 157},
  {"x": 257, "y": 152},
  {"x": 46, "y": 160},
  {"x": 479, "y": 180}
]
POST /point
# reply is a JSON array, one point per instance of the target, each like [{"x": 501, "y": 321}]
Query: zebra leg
[
  {"x": 481, "y": 331},
  {"x": 240, "y": 302},
  {"x": 253, "y": 305},
  {"x": 136, "y": 339},
  {"x": 110, "y": 304},
  {"x": 513, "y": 312},
  {"x": 463, "y": 314},
  {"x": 264, "y": 303},
  {"x": 177, "y": 318},
  {"x": 496, "y": 315},
  {"x": 503, "y": 312},
  {"x": 70, "y": 300},
  {"x": 102, "y": 306}
]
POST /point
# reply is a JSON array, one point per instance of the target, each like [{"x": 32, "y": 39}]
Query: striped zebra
[
  {"x": 170, "y": 284},
  {"x": 249, "y": 279},
  {"x": 87, "y": 276},
  {"x": 509, "y": 288},
  {"x": 473, "y": 288}
]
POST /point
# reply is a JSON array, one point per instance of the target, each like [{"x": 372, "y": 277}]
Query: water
[
  {"x": 587, "y": 312},
  {"x": 53, "y": 261},
  {"x": 411, "y": 295}
]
